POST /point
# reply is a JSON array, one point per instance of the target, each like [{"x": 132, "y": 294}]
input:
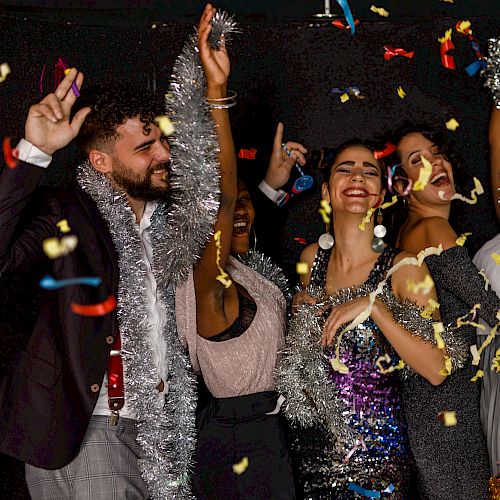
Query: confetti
[
  {"x": 362, "y": 491},
  {"x": 55, "y": 248},
  {"x": 462, "y": 321},
  {"x": 247, "y": 154},
  {"x": 452, "y": 124},
  {"x": 63, "y": 226},
  {"x": 447, "y": 60},
  {"x": 339, "y": 366},
  {"x": 479, "y": 374},
  {"x": 64, "y": 66},
  {"x": 486, "y": 280},
  {"x": 388, "y": 149},
  {"x": 478, "y": 190},
  {"x": 430, "y": 307},
  {"x": 390, "y": 368},
  {"x": 495, "y": 364},
  {"x": 447, "y": 367},
  {"x": 449, "y": 418},
  {"x": 100, "y": 309},
  {"x": 166, "y": 125},
  {"x": 446, "y": 37},
  {"x": 302, "y": 267},
  {"x": 223, "y": 277},
  {"x": 476, "y": 353},
  {"x": 4, "y": 71},
  {"x": 300, "y": 240},
  {"x": 423, "y": 176},
  {"x": 49, "y": 283},
  {"x": 9, "y": 154},
  {"x": 424, "y": 286},
  {"x": 339, "y": 24},
  {"x": 241, "y": 466},
  {"x": 461, "y": 239},
  {"x": 380, "y": 11},
  {"x": 463, "y": 27},
  {"x": 344, "y": 98},
  {"x": 401, "y": 92},
  {"x": 495, "y": 257},
  {"x": 391, "y": 52},
  {"x": 368, "y": 215},
  {"x": 348, "y": 15},
  {"x": 359, "y": 443},
  {"x": 438, "y": 330}
]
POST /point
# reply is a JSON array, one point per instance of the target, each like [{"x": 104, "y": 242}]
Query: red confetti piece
[
  {"x": 391, "y": 52},
  {"x": 247, "y": 154},
  {"x": 389, "y": 148},
  {"x": 10, "y": 154},
  {"x": 339, "y": 24},
  {"x": 302, "y": 241},
  {"x": 447, "y": 60},
  {"x": 101, "y": 309}
]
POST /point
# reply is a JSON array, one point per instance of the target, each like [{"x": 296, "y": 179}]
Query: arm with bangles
[
  {"x": 217, "y": 306},
  {"x": 494, "y": 140}
]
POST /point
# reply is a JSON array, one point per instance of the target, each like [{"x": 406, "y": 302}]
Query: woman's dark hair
[
  {"x": 112, "y": 103},
  {"x": 334, "y": 153}
]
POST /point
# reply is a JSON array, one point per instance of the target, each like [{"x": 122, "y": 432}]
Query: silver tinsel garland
[
  {"x": 492, "y": 71},
  {"x": 178, "y": 233},
  {"x": 302, "y": 372}
]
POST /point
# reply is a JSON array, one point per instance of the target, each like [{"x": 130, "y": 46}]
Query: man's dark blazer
[{"x": 49, "y": 394}]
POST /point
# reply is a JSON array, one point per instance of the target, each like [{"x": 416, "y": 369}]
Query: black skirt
[{"x": 236, "y": 430}]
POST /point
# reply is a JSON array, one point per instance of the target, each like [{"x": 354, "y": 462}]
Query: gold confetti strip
[
  {"x": 390, "y": 369},
  {"x": 461, "y": 321},
  {"x": 241, "y": 466},
  {"x": 464, "y": 28},
  {"x": 495, "y": 257},
  {"x": 425, "y": 286},
  {"x": 423, "y": 176},
  {"x": 447, "y": 367},
  {"x": 368, "y": 215},
  {"x": 476, "y": 353},
  {"x": 380, "y": 11},
  {"x": 495, "y": 364},
  {"x": 452, "y": 124},
  {"x": 461, "y": 239},
  {"x": 438, "y": 330},
  {"x": 486, "y": 280},
  {"x": 55, "y": 248},
  {"x": 4, "y": 71},
  {"x": 165, "y": 124},
  {"x": 302, "y": 268},
  {"x": 449, "y": 418},
  {"x": 479, "y": 374},
  {"x": 223, "y": 276},
  {"x": 344, "y": 98},
  {"x": 446, "y": 37},
  {"x": 401, "y": 92},
  {"x": 431, "y": 306},
  {"x": 338, "y": 366},
  {"x": 478, "y": 189},
  {"x": 63, "y": 226}
]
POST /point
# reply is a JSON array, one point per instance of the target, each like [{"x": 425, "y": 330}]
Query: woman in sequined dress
[
  {"x": 452, "y": 462},
  {"x": 352, "y": 434}
]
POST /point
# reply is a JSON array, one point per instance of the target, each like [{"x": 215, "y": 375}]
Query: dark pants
[{"x": 230, "y": 429}]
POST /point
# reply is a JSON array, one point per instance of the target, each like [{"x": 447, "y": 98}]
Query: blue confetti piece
[
  {"x": 389, "y": 489},
  {"x": 348, "y": 14},
  {"x": 49, "y": 283},
  {"x": 362, "y": 491},
  {"x": 473, "y": 68}
]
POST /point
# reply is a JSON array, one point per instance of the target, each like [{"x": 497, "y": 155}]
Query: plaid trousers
[{"x": 105, "y": 468}]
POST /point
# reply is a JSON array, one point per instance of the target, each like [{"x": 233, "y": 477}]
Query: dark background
[{"x": 285, "y": 63}]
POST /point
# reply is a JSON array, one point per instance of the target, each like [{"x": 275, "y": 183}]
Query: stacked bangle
[
  {"x": 223, "y": 102},
  {"x": 492, "y": 71}
]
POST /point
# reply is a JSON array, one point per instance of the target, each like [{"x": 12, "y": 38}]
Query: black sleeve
[{"x": 454, "y": 270}]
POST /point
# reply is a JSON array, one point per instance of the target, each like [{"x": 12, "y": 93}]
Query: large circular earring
[
  {"x": 326, "y": 240},
  {"x": 254, "y": 249},
  {"x": 379, "y": 231}
]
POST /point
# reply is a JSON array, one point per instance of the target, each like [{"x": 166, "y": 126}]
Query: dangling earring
[
  {"x": 326, "y": 240},
  {"x": 379, "y": 231},
  {"x": 254, "y": 249}
]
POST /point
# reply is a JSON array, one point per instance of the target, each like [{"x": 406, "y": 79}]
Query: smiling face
[
  {"x": 355, "y": 183},
  {"x": 410, "y": 148},
  {"x": 140, "y": 160},
  {"x": 244, "y": 216}
]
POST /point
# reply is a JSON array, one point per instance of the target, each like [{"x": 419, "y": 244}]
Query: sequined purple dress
[{"x": 380, "y": 460}]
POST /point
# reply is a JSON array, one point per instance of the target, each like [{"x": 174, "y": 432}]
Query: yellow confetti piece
[
  {"x": 438, "y": 330},
  {"x": 431, "y": 306},
  {"x": 324, "y": 215},
  {"x": 401, "y": 92},
  {"x": 446, "y": 37},
  {"x": 326, "y": 206},
  {"x": 495, "y": 364},
  {"x": 423, "y": 176},
  {"x": 380, "y": 11},
  {"x": 463, "y": 28},
  {"x": 223, "y": 276},
  {"x": 63, "y": 226},
  {"x": 452, "y": 124},
  {"x": 66, "y": 71},
  {"x": 368, "y": 216},
  {"x": 344, "y": 98},
  {"x": 449, "y": 418},
  {"x": 55, "y": 248},
  {"x": 4, "y": 71},
  {"x": 461, "y": 239},
  {"x": 241, "y": 466},
  {"x": 486, "y": 279},
  {"x": 478, "y": 189},
  {"x": 447, "y": 367},
  {"x": 479, "y": 374},
  {"x": 302, "y": 267},
  {"x": 425, "y": 286},
  {"x": 165, "y": 124},
  {"x": 495, "y": 257},
  {"x": 338, "y": 366},
  {"x": 462, "y": 321},
  {"x": 390, "y": 369},
  {"x": 476, "y": 353}
]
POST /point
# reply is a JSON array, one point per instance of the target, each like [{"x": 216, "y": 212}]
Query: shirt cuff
[
  {"x": 29, "y": 153},
  {"x": 274, "y": 195}
]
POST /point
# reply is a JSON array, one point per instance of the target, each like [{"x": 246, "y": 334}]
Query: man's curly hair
[{"x": 112, "y": 103}]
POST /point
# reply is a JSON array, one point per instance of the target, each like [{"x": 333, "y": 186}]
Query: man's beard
[{"x": 137, "y": 187}]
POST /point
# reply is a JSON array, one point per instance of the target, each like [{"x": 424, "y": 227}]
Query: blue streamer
[
  {"x": 362, "y": 491},
  {"x": 49, "y": 283},
  {"x": 473, "y": 68},
  {"x": 348, "y": 14}
]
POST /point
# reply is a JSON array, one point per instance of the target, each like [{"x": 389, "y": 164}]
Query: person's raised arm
[{"x": 210, "y": 293}]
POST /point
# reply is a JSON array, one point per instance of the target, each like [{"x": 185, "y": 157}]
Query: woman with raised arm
[
  {"x": 353, "y": 436},
  {"x": 452, "y": 462}
]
